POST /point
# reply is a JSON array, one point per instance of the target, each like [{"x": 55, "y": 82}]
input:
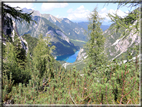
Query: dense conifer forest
[{"x": 35, "y": 77}]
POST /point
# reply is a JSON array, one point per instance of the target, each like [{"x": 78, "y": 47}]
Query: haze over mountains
[{"x": 85, "y": 26}]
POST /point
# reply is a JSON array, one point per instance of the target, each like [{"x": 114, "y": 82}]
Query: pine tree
[
  {"x": 20, "y": 52},
  {"x": 14, "y": 13},
  {"x": 130, "y": 22},
  {"x": 95, "y": 45},
  {"x": 15, "y": 60},
  {"x": 42, "y": 57}
]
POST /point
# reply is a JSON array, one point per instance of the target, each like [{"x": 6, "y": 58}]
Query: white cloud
[
  {"x": 70, "y": 10},
  {"x": 80, "y": 14},
  {"x": 57, "y": 16},
  {"x": 104, "y": 13},
  {"x": 21, "y": 5},
  {"x": 51, "y": 6}
]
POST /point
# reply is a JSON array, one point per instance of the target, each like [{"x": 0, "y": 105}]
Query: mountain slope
[
  {"x": 64, "y": 34},
  {"x": 115, "y": 46},
  {"x": 69, "y": 28},
  {"x": 43, "y": 26}
]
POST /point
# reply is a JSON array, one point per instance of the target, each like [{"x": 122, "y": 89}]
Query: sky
[{"x": 76, "y": 12}]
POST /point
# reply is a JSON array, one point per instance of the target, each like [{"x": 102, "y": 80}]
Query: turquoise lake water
[{"x": 70, "y": 58}]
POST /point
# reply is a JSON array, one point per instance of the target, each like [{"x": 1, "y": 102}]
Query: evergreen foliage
[
  {"x": 117, "y": 84},
  {"x": 15, "y": 13},
  {"x": 42, "y": 56},
  {"x": 95, "y": 45},
  {"x": 32, "y": 42},
  {"x": 15, "y": 61},
  {"x": 129, "y": 23}
]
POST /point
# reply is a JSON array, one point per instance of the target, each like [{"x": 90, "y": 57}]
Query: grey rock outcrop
[
  {"x": 64, "y": 37},
  {"x": 10, "y": 30},
  {"x": 81, "y": 55},
  {"x": 115, "y": 46}
]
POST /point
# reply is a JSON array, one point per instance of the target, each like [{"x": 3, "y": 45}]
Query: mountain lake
[{"x": 70, "y": 58}]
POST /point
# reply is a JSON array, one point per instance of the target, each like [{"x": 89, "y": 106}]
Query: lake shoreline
[{"x": 69, "y": 58}]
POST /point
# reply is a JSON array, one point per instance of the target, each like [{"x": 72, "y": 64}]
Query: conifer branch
[
  {"x": 72, "y": 98},
  {"x": 128, "y": 101},
  {"x": 127, "y": 93}
]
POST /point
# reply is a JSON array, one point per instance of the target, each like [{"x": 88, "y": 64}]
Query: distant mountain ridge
[
  {"x": 69, "y": 28},
  {"x": 85, "y": 26},
  {"x": 64, "y": 33}
]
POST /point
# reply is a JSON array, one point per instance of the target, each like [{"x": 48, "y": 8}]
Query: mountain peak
[
  {"x": 66, "y": 20},
  {"x": 55, "y": 18},
  {"x": 26, "y": 10}
]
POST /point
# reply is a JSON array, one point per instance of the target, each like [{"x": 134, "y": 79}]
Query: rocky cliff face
[
  {"x": 81, "y": 55},
  {"x": 63, "y": 36},
  {"x": 11, "y": 31},
  {"x": 115, "y": 46},
  {"x": 7, "y": 28},
  {"x": 23, "y": 42}
]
